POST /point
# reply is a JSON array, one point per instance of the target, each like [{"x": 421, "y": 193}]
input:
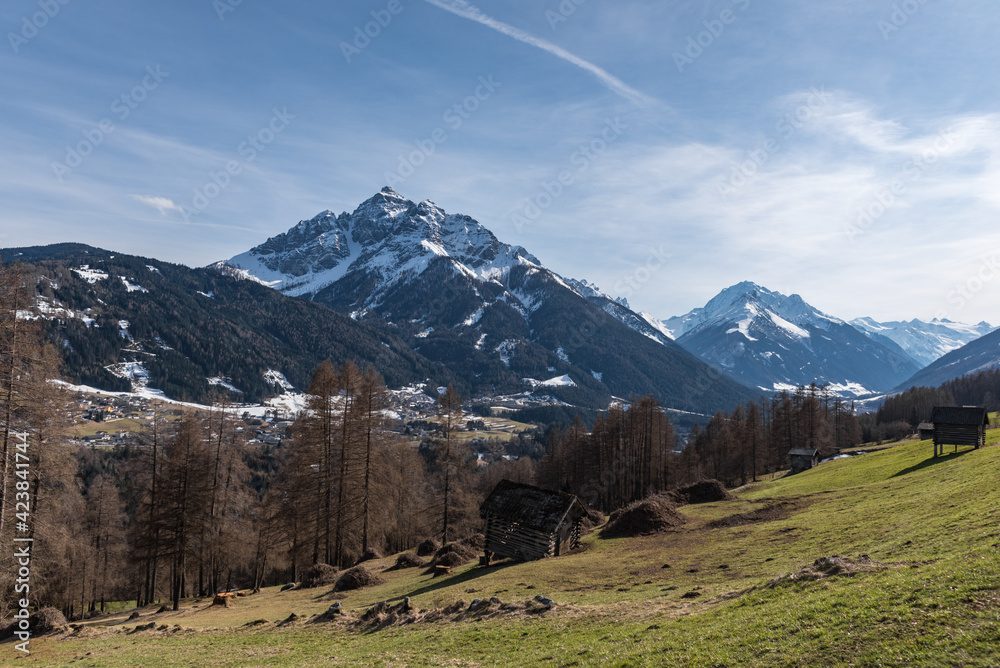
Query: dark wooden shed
[
  {"x": 525, "y": 522},
  {"x": 926, "y": 431},
  {"x": 803, "y": 459},
  {"x": 959, "y": 425}
]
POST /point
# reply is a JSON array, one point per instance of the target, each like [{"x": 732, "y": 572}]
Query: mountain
[
  {"x": 489, "y": 311},
  {"x": 978, "y": 355},
  {"x": 924, "y": 341},
  {"x": 772, "y": 341},
  {"x": 121, "y": 321}
]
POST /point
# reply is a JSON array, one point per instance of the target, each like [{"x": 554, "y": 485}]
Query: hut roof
[
  {"x": 534, "y": 507},
  {"x": 964, "y": 415},
  {"x": 803, "y": 452},
  {"x": 926, "y": 426}
]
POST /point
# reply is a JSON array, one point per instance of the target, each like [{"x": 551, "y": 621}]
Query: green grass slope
[{"x": 738, "y": 585}]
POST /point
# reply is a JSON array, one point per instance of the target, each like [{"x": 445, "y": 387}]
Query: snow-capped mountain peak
[
  {"x": 747, "y": 302},
  {"x": 924, "y": 341},
  {"x": 773, "y": 341},
  {"x": 488, "y": 310},
  {"x": 388, "y": 236}
]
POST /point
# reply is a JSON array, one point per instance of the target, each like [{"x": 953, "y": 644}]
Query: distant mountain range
[
  {"x": 773, "y": 342},
  {"x": 925, "y": 342},
  {"x": 978, "y": 355},
  {"x": 489, "y": 311},
  {"x": 431, "y": 297}
]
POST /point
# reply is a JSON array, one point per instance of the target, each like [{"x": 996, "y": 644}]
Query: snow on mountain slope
[
  {"x": 488, "y": 310},
  {"x": 773, "y": 342},
  {"x": 924, "y": 341},
  {"x": 977, "y": 355},
  {"x": 658, "y": 325},
  {"x": 587, "y": 289},
  {"x": 747, "y": 301},
  {"x": 388, "y": 237}
]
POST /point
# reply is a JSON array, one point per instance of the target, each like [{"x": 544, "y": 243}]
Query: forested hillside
[{"x": 117, "y": 318}]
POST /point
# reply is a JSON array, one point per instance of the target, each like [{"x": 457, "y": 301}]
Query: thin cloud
[
  {"x": 162, "y": 204},
  {"x": 613, "y": 83}
]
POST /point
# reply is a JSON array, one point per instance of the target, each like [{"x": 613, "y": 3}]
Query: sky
[{"x": 664, "y": 150}]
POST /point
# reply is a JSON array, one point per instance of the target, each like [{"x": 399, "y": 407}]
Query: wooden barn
[
  {"x": 954, "y": 425},
  {"x": 803, "y": 459},
  {"x": 526, "y": 523}
]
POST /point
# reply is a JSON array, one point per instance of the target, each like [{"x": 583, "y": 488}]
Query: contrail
[{"x": 467, "y": 11}]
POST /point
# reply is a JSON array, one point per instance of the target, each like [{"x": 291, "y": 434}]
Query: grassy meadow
[{"x": 917, "y": 584}]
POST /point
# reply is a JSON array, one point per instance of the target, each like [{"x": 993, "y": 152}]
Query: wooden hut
[
  {"x": 803, "y": 459},
  {"x": 954, "y": 425},
  {"x": 524, "y": 522},
  {"x": 926, "y": 431}
]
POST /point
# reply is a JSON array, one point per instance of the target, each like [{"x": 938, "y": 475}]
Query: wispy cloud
[
  {"x": 786, "y": 227},
  {"x": 162, "y": 204},
  {"x": 613, "y": 83}
]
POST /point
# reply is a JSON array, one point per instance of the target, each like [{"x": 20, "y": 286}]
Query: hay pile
[
  {"x": 477, "y": 541},
  {"x": 382, "y": 615},
  {"x": 221, "y": 601},
  {"x": 454, "y": 554},
  {"x": 775, "y": 511},
  {"x": 407, "y": 560},
  {"x": 703, "y": 491},
  {"x": 46, "y": 620},
  {"x": 427, "y": 548},
  {"x": 826, "y": 567},
  {"x": 370, "y": 555},
  {"x": 652, "y": 515},
  {"x": 592, "y": 520},
  {"x": 357, "y": 578},
  {"x": 319, "y": 575}
]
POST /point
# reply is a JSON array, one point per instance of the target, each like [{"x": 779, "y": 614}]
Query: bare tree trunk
[{"x": 13, "y": 285}]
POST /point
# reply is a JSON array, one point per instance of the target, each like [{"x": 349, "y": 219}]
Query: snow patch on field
[
  {"x": 558, "y": 381},
  {"x": 131, "y": 371},
  {"x": 55, "y": 310},
  {"x": 90, "y": 275},
  {"x": 132, "y": 287},
  {"x": 856, "y": 389},
  {"x": 224, "y": 382},
  {"x": 847, "y": 388}
]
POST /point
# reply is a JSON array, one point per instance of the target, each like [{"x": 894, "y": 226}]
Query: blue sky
[{"x": 848, "y": 151}]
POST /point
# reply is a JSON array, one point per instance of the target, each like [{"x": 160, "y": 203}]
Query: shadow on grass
[
  {"x": 931, "y": 461},
  {"x": 460, "y": 578}
]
